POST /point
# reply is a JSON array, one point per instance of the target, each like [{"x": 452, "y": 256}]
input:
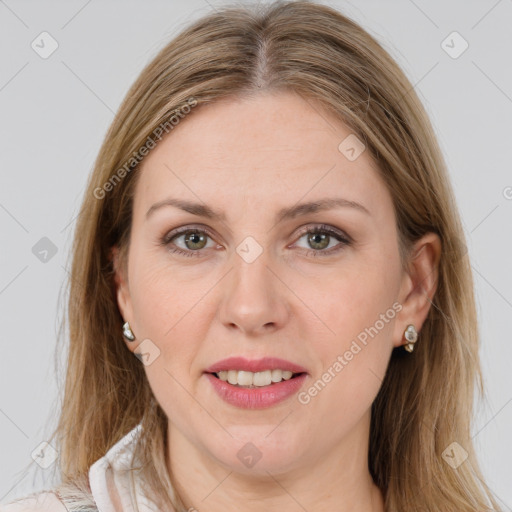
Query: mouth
[
  {"x": 259, "y": 390},
  {"x": 256, "y": 383},
  {"x": 253, "y": 380}
]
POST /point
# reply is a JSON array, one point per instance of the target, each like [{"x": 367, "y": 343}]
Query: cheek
[
  {"x": 161, "y": 292},
  {"x": 353, "y": 365},
  {"x": 359, "y": 307},
  {"x": 168, "y": 309},
  {"x": 353, "y": 297}
]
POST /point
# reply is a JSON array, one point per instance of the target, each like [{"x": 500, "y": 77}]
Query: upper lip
[{"x": 255, "y": 365}]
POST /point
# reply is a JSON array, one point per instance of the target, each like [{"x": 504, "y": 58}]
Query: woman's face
[{"x": 256, "y": 285}]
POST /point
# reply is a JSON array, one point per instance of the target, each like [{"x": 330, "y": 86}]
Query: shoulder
[{"x": 45, "y": 501}]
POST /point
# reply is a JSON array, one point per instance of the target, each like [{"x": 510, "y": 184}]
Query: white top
[{"x": 109, "y": 480}]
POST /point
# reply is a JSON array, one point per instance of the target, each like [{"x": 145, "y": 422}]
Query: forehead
[{"x": 272, "y": 148}]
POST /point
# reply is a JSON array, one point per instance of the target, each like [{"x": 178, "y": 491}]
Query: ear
[
  {"x": 121, "y": 286},
  {"x": 419, "y": 284}
]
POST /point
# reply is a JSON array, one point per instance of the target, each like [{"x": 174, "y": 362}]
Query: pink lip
[
  {"x": 255, "y": 365},
  {"x": 256, "y": 398}
]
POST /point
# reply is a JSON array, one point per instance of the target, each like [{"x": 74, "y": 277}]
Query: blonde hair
[{"x": 426, "y": 399}]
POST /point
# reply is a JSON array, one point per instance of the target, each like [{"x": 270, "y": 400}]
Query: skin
[{"x": 251, "y": 157}]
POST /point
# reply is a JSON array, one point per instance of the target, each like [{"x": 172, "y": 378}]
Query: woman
[{"x": 270, "y": 230}]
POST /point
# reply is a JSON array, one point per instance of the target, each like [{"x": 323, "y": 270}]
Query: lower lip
[{"x": 256, "y": 398}]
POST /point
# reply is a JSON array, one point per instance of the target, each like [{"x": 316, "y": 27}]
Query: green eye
[{"x": 319, "y": 239}]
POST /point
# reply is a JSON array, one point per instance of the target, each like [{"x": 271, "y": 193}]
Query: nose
[{"x": 254, "y": 298}]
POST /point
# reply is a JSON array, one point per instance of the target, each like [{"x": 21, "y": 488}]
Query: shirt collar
[{"x": 113, "y": 473}]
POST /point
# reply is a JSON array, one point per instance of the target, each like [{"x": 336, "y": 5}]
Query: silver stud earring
[
  {"x": 127, "y": 332},
  {"x": 411, "y": 335}
]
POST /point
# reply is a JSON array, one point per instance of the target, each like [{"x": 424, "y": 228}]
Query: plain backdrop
[{"x": 54, "y": 113}]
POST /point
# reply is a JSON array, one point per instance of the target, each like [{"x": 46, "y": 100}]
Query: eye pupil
[
  {"x": 195, "y": 238},
  {"x": 313, "y": 238}
]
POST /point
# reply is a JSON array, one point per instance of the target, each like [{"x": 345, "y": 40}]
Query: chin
[{"x": 256, "y": 456}]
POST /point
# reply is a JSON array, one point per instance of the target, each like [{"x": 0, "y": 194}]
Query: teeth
[{"x": 250, "y": 379}]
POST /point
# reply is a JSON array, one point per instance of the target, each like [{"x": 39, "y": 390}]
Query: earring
[
  {"x": 411, "y": 335},
  {"x": 127, "y": 332}
]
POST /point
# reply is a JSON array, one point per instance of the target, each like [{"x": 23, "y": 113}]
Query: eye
[
  {"x": 320, "y": 238},
  {"x": 194, "y": 239}
]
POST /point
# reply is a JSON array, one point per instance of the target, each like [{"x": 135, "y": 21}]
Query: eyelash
[{"x": 318, "y": 229}]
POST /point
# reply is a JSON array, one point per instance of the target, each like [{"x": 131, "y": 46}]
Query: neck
[{"x": 337, "y": 480}]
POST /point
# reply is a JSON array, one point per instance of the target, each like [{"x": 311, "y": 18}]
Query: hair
[{"x": 426, "y": 400}]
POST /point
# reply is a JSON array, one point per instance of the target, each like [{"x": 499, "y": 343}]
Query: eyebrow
[{"x": 203, "y": 210}]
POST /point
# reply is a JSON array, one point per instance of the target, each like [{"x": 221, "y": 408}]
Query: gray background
[{"x": 54, "y": 115}]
